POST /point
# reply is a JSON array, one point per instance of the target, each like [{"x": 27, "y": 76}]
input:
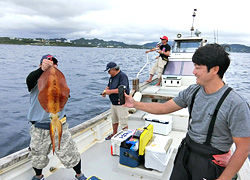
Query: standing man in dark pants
[
  {"x": 118, "y": 112},
  {"x": 219, "y": 117}
]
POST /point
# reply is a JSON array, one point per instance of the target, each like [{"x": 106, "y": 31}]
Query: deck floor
[
  {"x": 162, "y": 90},
  {"x": 97, "y": 160}
]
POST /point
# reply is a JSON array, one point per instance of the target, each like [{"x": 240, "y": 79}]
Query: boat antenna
[
  {"x": 192, "y": 28},
  {"x": 216, "y": 39}
]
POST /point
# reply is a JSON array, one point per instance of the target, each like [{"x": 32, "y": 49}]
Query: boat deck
[{"x": 97, "y": 160}]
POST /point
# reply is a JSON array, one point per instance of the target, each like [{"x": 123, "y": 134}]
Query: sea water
[{"x": 85, "y": 76}]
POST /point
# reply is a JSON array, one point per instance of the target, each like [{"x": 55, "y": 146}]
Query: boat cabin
[{"x": 179, "y": 69}]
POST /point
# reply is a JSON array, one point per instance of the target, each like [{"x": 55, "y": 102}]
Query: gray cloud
[
  {"x": 133, "y": 22},
  {"x": 54, "y": 8}
]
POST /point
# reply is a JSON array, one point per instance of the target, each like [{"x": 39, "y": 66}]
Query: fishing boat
[{"x": 103, "y": 158}]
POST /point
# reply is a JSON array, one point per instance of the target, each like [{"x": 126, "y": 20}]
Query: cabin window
[
  {"x": 185, "y": 46},
  {"x": 188, "y": 68},
  {"x": 173, "y": 68},
  {"x": 179, "y": 68}
]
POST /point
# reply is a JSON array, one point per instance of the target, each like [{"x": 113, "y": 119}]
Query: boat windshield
[
  {"x": 179, "y": 68},
  {"x": 185, "y": 46}
]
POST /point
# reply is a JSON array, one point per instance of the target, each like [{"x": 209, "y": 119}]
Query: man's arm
[
  {"x": 165, "y": 53},
  {"x": 32, "y": 78},
  {"x": 112, "y": 91},
  {"x": 154, "y": 108},
  {"x": 238, "y": 158},
  {"x": 107, "y": 91},
  {"x": 154, "y": 49}
]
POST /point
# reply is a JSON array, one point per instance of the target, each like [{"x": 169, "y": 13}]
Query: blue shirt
[{"x": 114, "y": 82}]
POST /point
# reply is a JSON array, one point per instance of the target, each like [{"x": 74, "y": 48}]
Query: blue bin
[{"x": 128, "y": 157}]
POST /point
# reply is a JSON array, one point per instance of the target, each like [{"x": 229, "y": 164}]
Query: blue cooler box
[{"x": 128, "y": 157}]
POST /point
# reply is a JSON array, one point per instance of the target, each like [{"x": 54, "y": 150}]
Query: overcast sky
[{"x": 129, "y": 21}]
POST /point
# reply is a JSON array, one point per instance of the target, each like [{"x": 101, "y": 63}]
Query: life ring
[{"x": 179, "y": 35}]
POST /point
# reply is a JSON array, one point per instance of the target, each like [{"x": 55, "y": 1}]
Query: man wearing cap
[
  {"x": 118, "y": 112},
  {"x": 40, "y": 144},
  {"x": 164, "y": 52}
]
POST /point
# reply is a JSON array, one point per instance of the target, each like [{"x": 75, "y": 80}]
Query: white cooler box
[
  {"x": 162, "y": 123},
  {"x": 158, "y": 152},
  {"x": 118, "y": 138}
]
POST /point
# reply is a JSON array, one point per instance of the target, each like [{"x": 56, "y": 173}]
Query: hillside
[
  {"x": 82, "y": 42},
  {"x": 239, "y": 48},
  {"x": 101, "y": 43}
]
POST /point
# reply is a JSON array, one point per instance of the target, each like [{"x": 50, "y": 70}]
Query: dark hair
[
  {"x": 212, "y": 55},
  {"x": 54, "y": 60}
]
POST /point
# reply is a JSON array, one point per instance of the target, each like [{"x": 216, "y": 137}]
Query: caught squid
[{"x": 53, "y": 95}]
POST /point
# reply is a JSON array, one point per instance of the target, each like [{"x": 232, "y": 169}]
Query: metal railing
[{"x": 148, "y": 63}]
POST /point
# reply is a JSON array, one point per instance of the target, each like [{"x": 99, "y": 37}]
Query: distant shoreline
[
  {"x": 97, "y": 43},
  {"x": 64, "y": 42}
]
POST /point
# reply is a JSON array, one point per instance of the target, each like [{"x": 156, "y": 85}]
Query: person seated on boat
[
  {"x": 40, "y": 144},
  {"x": 162, "y": 59},
  {"x": 118, "y": 112},
  {"x": 219, "y": 117}
]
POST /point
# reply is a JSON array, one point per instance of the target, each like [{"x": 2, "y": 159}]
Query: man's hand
[
  {"x": 108, "y": 92},
  {"x": 104, "y": 93},
  {"x": 46, "y": 64},
  {"x": 129, "y": 101},
  {"x": 160, "y": 52}
]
